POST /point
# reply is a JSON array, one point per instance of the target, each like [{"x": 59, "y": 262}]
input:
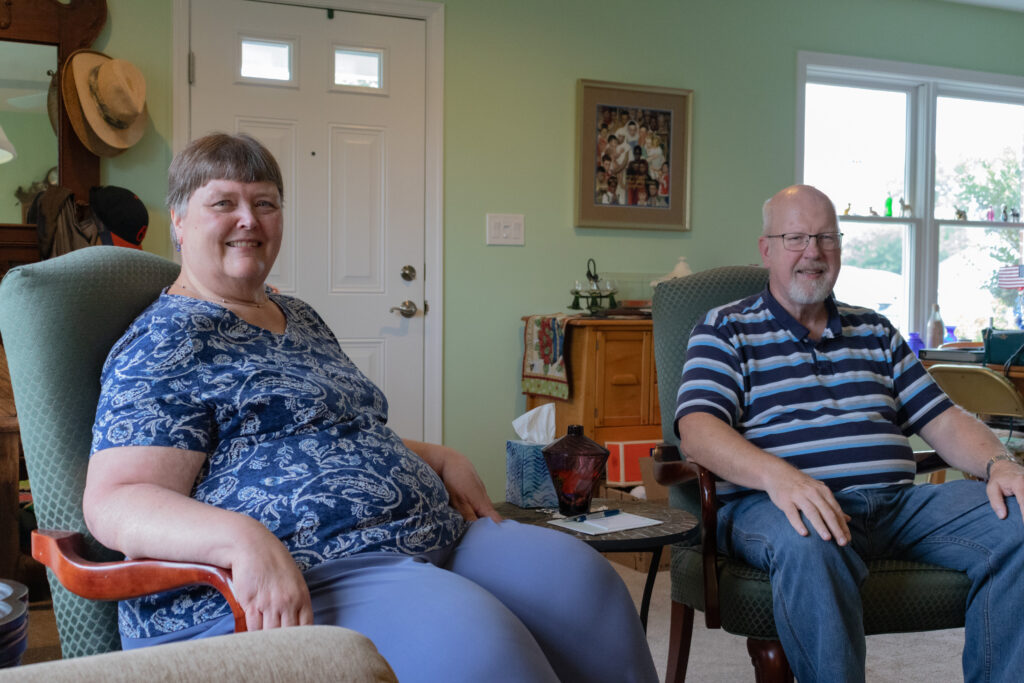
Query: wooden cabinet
[{"x": 613, "y": 386}]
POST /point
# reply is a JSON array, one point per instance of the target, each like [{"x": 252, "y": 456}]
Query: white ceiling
[{"x": 1013, "y": 5}]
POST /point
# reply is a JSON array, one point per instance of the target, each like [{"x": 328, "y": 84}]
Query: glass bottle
[
  {"x": 936, "y": 331},
  {"x": 575, "y": 464},
  {"x": 915, "y": 342}
]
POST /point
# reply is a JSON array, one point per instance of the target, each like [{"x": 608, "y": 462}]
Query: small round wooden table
[{"x": 676, "y": 526}]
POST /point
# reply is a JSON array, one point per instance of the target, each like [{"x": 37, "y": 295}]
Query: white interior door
[{"x": 353, "y": 163}]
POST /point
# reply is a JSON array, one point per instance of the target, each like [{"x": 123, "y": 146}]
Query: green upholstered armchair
[
  {"x": 58, "y": 319},
  {"x": 898, "y": 596}
]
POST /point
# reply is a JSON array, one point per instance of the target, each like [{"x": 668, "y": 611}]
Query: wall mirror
[
  {"x": 34, "y": 35},
  {"x": 25, "y": 127}
]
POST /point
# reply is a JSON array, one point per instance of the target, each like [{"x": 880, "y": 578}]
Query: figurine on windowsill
[
  {"x": 1015, "y": 215},
  {"x": 846, "y": 211},
  {"x": 961, "y": 214},
  {"x": 905, "y": 208},
  {"x": 872, "y": 211}
]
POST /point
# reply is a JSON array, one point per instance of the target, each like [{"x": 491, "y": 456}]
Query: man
[{"x": 802, "y": 406}]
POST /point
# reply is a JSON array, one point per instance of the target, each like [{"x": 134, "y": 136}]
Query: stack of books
[{"x": 968, "y": 355}]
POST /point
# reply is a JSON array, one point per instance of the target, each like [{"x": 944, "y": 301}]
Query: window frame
[{"x": 924, "y": 85}]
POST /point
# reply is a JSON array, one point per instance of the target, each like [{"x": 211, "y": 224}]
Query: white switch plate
[{"x": 505, "y": 229}]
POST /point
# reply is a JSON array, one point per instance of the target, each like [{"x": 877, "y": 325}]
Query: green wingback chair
[
  {"x": 58, "y": 320},
  {"x": 898, "y": 596}
]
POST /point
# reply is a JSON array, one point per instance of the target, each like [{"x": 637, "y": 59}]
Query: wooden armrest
[
  {"x": 709, "y": 545},
  {"x": 61, "y": 551},
  {"x": 929, "y": 461},
  {"x": 669, "y": 466}
]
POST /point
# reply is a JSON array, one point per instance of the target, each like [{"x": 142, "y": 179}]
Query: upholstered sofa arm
[{"x": 302, "y": 653}]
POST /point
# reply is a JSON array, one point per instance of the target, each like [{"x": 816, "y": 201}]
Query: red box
[{"x": 624, "y": 461}]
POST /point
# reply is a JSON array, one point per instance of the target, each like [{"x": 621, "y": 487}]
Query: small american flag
[{"x": 1011, "y": 277}]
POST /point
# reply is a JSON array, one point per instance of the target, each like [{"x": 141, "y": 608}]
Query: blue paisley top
[{"x": 295, "y": 436}]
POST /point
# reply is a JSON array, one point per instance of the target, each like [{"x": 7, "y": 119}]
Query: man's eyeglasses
[{"x": 798, "y": 241}]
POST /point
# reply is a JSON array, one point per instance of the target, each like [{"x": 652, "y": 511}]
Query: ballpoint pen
[{"x": 594, "y": 515}]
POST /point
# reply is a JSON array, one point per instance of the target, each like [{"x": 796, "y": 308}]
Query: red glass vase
[{"x": 575, "y": 464}]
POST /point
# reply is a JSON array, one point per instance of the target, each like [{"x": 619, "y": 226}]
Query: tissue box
[
  {"x": 527, "y": 482},
  {"x": 624, "y": 461}
]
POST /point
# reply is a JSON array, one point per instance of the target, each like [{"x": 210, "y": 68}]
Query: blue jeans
[{"x": 816, "y": 583}]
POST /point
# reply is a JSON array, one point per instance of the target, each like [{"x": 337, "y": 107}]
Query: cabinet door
[{"x": 623, "y": 378}]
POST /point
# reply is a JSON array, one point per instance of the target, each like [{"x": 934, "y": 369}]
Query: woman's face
[{"x": 231, "y": 233}]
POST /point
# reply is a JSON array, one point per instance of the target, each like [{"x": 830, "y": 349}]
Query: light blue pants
[
  {"x": 510, "y": 602},
  {"x": 816, "y": 583}
]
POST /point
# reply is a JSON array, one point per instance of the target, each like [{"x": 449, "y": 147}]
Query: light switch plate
[{"x": 505, "y": 229}]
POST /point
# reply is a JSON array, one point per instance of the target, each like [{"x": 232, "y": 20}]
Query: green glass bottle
[{"x": 888, "y": 205}]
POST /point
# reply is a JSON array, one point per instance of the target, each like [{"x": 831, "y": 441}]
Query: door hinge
[{"x": 191, "y": 67}]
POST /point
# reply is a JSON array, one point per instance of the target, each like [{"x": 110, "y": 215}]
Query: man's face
[{"x": 800, "y": 278}]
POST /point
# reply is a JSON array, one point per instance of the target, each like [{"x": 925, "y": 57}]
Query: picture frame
[{"x": 614, "y": 179}]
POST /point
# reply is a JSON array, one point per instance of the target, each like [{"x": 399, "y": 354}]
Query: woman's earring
[{"x": 177, "y": 248}]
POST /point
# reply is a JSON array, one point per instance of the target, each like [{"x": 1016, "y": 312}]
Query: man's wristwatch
[{"x": 996, "y": 458}]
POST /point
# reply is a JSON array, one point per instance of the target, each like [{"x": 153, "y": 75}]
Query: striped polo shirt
[{"x": 840, "y": 408}]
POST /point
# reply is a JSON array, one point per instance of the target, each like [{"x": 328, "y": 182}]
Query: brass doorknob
[{"x": 407, "y": 309}]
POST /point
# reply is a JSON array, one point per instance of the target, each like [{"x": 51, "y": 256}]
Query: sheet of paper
[{"x": 606, "y": 525}]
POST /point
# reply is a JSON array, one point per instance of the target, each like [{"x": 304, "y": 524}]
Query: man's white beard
[{"x": 807, "y": 292}]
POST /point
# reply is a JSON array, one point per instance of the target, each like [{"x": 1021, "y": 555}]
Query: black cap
[{"x": 122, "y": 213}]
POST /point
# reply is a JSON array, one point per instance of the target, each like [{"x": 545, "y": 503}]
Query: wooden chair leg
[
  {"x": 937, "y": 477},
  {"x": 679, "y": 636},
  {"x": 770, "y": 664}
]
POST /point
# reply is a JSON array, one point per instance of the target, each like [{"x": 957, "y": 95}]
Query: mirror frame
[{"x": 69, "y": 26}]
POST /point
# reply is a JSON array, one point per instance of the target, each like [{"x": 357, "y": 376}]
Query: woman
[{"x": 232, "y": 430}]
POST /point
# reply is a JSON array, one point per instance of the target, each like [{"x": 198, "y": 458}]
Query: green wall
[
  {"x": 510, "y": 76},
  {"x": 36, "y": 146}
]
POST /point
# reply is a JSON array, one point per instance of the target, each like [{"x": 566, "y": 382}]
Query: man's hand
[
  {"x": 1007, "y": 479},
  {"x": 268, "y": 584},
  {"x": 796, "y": 493},
  {"x": 712, "y": 443}
]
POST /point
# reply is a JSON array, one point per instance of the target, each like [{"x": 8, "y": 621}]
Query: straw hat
[{"x": 106, "y": 101}]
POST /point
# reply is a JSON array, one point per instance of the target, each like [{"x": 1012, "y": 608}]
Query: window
[
  {"x": 358, "y": 69},
  {"x": 267, "y": 61},
  {"x": 925, "y": 168}
]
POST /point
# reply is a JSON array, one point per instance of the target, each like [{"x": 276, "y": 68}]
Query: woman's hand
[
  {"x": 466, "y": 491},
  {"x": 137, "y": 501},
  {"x": 268, "y": 584}
]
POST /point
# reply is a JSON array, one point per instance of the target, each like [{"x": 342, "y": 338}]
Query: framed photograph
[{"x": 633, "y": 156}]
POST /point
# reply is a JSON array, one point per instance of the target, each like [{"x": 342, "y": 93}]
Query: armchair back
[
  {"x": 58, "y": 319},
  {"x": 677, "y": 306}
]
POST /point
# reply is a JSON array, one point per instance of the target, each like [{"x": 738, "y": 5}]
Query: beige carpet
[{"x": 719, "y": 657}]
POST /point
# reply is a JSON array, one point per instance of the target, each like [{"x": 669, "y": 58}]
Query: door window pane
[
  {"x": 358, "y": 68},
  {"x": 266, "y": 60},
  {"x": 978, "y": 159},
  {"x": 855, "y": 143},
  {"x": 872, "y": 271},
  {"x": 969, "y": 260}
]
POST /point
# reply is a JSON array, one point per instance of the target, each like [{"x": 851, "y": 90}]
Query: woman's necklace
[{"x": 223, "y": 300}]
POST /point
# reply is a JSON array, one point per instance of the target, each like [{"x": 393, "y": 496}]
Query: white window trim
[{"x": 925, "y": 84}]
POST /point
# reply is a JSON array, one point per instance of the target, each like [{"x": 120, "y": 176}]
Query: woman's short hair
[{"x": 218, "y": 156}]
